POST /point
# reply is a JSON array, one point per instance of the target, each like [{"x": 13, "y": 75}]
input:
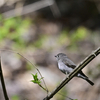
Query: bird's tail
[
  {"x": 82, "y": 75},
  {"x": 89, "y": 81}
]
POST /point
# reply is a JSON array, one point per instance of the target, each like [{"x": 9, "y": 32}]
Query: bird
[{"x": 67, "y": 66}]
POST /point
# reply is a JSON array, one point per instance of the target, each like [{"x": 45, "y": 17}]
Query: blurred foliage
[
  {"x": 79, "y": 34},
  {"x": 28, "y": 66},
  {"x": 13, "y": 29},
  {"x": 15, "y": 97},
  {"x": 63, "y": 37},
  {"x": 39, "y": 42},
  {"x": 71, "y": 38}
]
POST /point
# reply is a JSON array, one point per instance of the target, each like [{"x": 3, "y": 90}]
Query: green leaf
[
  {"x": 33, "y": 81},
  {"x": 35, "y": 77},
  {"x": 36, "y": 80},
  {"x": 41, "y": 78}
]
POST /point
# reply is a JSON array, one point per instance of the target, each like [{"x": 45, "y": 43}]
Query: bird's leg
[{"x": 67, "y": 75}]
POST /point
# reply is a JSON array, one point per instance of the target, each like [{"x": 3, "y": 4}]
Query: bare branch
[
  {"x": 3, "y": 83},
  {"x": 30, "y": 63},
  {"x": 71, "y": 75}
]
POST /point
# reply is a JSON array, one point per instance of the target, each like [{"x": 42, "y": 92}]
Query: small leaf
[
  {"x": 35, "y": 76},
  {"x": 41, "y": 78},
  {"x": 37, "y": 81},
  {"x": 33, "y": 81}
]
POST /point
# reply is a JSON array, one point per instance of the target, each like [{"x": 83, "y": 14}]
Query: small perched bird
[{"x": 67, "y": 66}]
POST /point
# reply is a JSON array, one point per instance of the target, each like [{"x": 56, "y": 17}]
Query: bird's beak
[{"x": 55, "y": 56}]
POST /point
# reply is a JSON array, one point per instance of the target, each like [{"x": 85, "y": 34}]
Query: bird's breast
[{"x": 64, "y": 68}]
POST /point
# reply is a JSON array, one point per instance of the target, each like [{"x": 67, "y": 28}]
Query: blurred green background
[{"x": 40, "y": 29}]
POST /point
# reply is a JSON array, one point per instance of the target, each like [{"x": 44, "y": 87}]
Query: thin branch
[
  {"x": 31, "y": 64},
  {"x": 71, "y": 75},
  {"x": 3, "y": 83},
  {"x": 37, "y": 71}
]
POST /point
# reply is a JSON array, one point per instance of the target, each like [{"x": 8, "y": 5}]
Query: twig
[
  {"x": 37, "y": 71},
  {"x": 71, "y": 75},
  {"x": 3, "y": 83},
  {"x": 31, "y": 64}
]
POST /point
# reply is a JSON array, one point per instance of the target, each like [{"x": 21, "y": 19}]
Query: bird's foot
[
  {"x": 93, "y": 54},
  {"x": 67, "y": 76}
]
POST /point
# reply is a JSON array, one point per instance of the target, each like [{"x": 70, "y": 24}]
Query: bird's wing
[{"x": 69, "y": 63}]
